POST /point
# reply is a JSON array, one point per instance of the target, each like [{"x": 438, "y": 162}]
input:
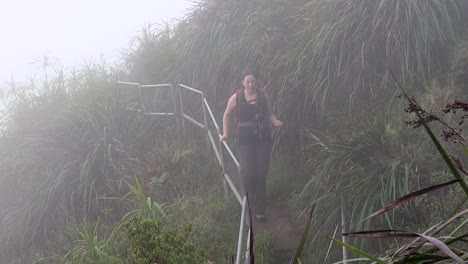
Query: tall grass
[
  {"x": 367, "y": 165},
  {"x": 361, "y": 172},
  {"x": 69, "y": 145},
  {"x": 429, "y": 244},
  {"x": 313, "y": 56},
  {"x": 64, "y": 150}
]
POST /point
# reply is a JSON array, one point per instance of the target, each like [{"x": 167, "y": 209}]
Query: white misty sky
[{"x": 74, "y": 31}]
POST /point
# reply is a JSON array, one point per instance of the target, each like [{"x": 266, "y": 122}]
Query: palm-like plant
[
  {"x": 90, "y": 247},
  {"x": 144, "y": 206}
]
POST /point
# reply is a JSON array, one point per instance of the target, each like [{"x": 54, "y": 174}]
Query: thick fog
[{"x": 73, "y": 31}]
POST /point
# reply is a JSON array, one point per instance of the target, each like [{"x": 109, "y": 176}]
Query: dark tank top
[{"x": 252, "y": 119}]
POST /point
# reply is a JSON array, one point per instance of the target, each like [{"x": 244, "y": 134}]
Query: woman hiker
[{"x": 254, "y": 116}]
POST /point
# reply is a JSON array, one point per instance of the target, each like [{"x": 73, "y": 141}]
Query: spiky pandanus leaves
[{"x": 90, "y": 247}]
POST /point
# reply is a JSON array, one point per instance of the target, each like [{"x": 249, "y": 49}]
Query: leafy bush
[{"x": 151, "y": 243}]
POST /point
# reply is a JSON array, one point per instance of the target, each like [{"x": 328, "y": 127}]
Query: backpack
[
  {"x": 259, "y": 124},
  {"x": 261, "y": 100}
]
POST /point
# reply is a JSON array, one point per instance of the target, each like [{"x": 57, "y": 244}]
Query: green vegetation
[
  {"x": 83, "y": 179},
  {"x": 150, "y": 245}
]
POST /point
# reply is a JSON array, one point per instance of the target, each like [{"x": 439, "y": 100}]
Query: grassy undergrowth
[{"x": 76, "y": 163}]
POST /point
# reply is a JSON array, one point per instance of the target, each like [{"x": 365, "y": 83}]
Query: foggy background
[{"x": 74, "y": 32}]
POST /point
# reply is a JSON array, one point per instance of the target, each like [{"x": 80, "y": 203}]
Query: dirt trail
[
  {"x": 286, "y": 235},
  {"x": 278, "y": 221}
]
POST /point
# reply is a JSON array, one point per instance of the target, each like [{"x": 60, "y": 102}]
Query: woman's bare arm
[{"x": 231, "y": 105}]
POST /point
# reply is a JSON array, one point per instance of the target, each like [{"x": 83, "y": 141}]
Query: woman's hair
[{"x": 249, "y": 72}]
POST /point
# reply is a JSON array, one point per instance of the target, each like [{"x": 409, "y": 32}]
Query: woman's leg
[
  {"x": 262, "y": 159},
  {"x": 247, "y": 163}
]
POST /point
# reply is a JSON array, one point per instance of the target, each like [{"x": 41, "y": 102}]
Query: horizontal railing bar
[
  {"x": 151, "y": 114},
  {"x": 194, "y": 121},
  {"x": 156, "y": 85},
  {"x": 160, "y": 114},
  {"x": 231, "y": 154},
  {"x": 233, "y": 188},
  {"x": 191, "y": 89},
  {"x": 128, "y": 83}
]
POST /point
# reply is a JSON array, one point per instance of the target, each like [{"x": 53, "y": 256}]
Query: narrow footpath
[{"x": 278, "y": 221}]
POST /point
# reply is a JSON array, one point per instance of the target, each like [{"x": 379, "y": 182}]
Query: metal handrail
[
  {"x": 217, "y": 147},
  {"x": 128, "y": 83},
  {"x": 240, "y": 196},
  {"x": 231, "y": 154},
  {"x": 155, "y": 85},
  {"x": 242, "y": 185},
  {"x": 191, "y": 119},
  {"x": 216, "y": 150},
  {"x": 139, "y": 86},
  {"x": 233, "y": 188},
  {"x": 191, "y": 89},
  {"x": 227, "y": 181}
]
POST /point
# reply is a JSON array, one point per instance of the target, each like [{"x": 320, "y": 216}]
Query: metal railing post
[
  {"x": 241, "y": 230},
  {"x": 184, "y": 133},
  {"x": 225, "y": 184},
  {"x": 247, "y": 251},
  {"x": 343, "y": 230},
  {"x": 176, "y": 109},
  {"x": 140, "y": 93},
  {"x": 205, "y": 121}
]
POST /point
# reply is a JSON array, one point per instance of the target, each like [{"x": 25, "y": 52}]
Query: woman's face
[{"x": 249, "y": 82}]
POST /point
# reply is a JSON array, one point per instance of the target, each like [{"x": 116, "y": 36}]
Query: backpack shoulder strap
[
  {"x": 262, "y": 97},
  {"x": 239, "y": 93}
]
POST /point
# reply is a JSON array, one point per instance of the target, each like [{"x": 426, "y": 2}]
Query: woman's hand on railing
[{"x": 222, "y": 137}]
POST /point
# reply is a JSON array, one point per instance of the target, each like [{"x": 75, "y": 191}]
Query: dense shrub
[{"x": 152, "y": 243}]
